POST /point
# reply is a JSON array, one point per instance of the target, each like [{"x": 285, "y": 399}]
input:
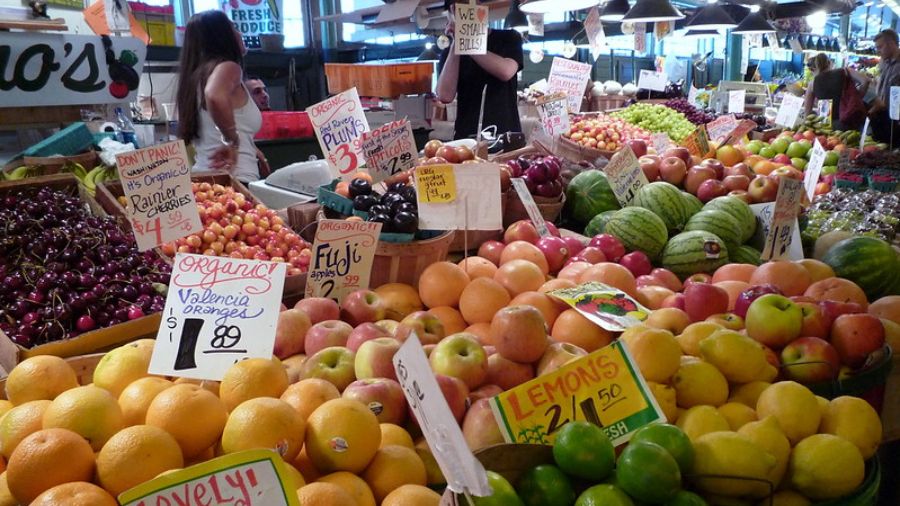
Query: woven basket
[
  {"x": 604, "y": 103},
  {"x": 515, "y": 210},
  {"x": 577, "y": 153},
  {"x": 404, "y": 262}
]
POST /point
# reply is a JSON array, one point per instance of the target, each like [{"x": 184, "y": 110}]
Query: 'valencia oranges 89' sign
[{"x": 604, "y": 388}]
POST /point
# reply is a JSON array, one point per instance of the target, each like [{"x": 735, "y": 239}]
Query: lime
[
  {"x": 503, "y": 493},
  {"x": 647, "y": 472},
  {"x": 685, "y": 498},
  {"x": 604, "y": 495},
  {"x": 670, "y": 437},
  {"x": 582, "y": 449},
  {"x": 545, "y": 485},
  {"x": 611, "y": 479}
]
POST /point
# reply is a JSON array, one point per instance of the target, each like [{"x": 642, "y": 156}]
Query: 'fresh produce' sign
[
  {"x": 256, "y": 17},
  {"x": 339, "y": 123},
  {"x": 342, "y": 256}
]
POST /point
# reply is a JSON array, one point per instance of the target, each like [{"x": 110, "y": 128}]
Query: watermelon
[
  {"x": 638, "y": 229},
  {"x": 665, "y": 201},
  {"x": 745, "y": 254},
  {"x": 718, "y": 222},
  {"x": 693, "y": 205},
  {"x": 741, "y": 212},
  {"x": 588, "y": 195},
  {"x": 869, "y": 262},
  {"x": 696, "y": 251},
  {"x": 597, "y": 225}
]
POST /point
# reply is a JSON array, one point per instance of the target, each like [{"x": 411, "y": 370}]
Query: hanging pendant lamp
[
  {"x": 651, "y": 11},
  {"x": 516, "y": 19},
  {"x": 711, "y": 17},
  {"x": 701, "y": 34},
  {"x": 614, "y": 10},
  {"x": 546, "y": 6},
  {"x": 754, "y": 23}
]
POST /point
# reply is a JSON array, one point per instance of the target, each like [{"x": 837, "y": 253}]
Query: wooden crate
[{"x": 385, "y": 81}]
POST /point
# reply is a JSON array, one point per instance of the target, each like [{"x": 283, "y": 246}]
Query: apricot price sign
[
  {"x": 604, "y": 388},
  {"x": 342, "y": 256},
  {"x": 389, "y": 150},
  {"x": 218, "y": 311},
  {"x": 248, "y": 478}
]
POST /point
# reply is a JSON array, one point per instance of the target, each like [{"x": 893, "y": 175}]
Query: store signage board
[
  {"x": 813, "y": 170},
  {"x": 44, "y": 69},
  {"x": 606, "y": 306},
  {"x": 640, "y": 37},
  {"x": 342, "y": 256},
  {"x": 475, "y": 203},
  {"x": 698, "y": 142},
  {"x": 692, "y": 96},
  {"x": 536, "y": 25},
  {"x": 660, "y": 142},
  {"x": 823, "y": 109},
  {"x": 593, "y": 27},
  {"x": 253, "y": 19},
  {"x": 554, "y": 114},
  {"x": 219, "y": 310},
  {"x": 781, "y": 236},
  {"x": 865, "y": 134},
  {"x": 463, "y": 471},
  {"x": 736, "y": 99},
  {"x": 604, "y": 388},
  {"x": 157, "y": 185},
  {"x": 389, "y": 150},
  {"x": 530, "y": 206},
  {"x": 339, "y": 123},
  {"x": 721, "y": 128},
  {"x": 895, "y": 103},
  {"x": 96, "y": 16},
  {"x": 625, "y": 175},
  {"x": 569, "y": 77},
  {"x": 652, "y": 80},
  {"x": 789, "y": 111},
  {"x": 251, "y": 478},
  {"x": 471, "y": 29},
  {"x": 436, "y": 184}
]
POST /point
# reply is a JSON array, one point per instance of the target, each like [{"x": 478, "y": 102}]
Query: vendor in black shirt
[{"x": 464, "y": 78}]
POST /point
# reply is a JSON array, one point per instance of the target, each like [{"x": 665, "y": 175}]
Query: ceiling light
[
  {"x": 817, "y": 20},
  {"x": 820, "y": 45},
  {"x": 752, "y": 24},
  {"x": 701, "y": 34},
  {"x": 516, "y": 19},
  {"x": 429, "y": 54},
  {"x": 614, "y": 10},
  {"x": 711, "y": 17},
  {"x": 651, "y": 11},
  {"x": 546, "y": 6}
]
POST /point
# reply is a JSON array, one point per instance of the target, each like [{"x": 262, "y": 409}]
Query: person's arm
[
  {"x": 217, "y": 94},
  {"x": 809, "y": 98},
  {"x": 264, "y": 169},
  {"x": 501, "y": 68},
  {"x": 448, "y": 80},
  {"x": 863, "y": 81}
]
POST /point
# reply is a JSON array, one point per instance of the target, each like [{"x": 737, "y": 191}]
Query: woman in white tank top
[{"x": 215, "y": 111}]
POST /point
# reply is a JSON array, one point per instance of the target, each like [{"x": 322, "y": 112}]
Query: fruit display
[
  {"x": 604, "y": 132},
  {"x": 436, "y": 152},
  {"x": 542, "y": 174},
  {"x": 693, "y": 114},
  {"x": 759, "y": 119},
  {"x": 396, "y": 209},
  {"x": 66, "y": 272},
  {"x": 657, "y": 118},
  {"x": 87, "y": 178},
  {"x": 588, "y": 195},
  {"x": 867, "y": 213}
]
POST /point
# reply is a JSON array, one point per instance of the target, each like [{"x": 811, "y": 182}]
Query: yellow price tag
[{"x": 436, "y": 184}]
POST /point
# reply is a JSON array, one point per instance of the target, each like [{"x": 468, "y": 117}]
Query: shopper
[
  {"x": 831, "y": 84},
  {"x": 464, "y": 78},
  {"x": 258, "y": 92},
  {"x": 886, "y": 43},
  {"x": 216, "y": 113}
]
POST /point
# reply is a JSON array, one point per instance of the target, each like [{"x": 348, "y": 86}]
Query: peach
[
  {"x": 734, "y": 289},
  {"x": 837, "y": 289},
  {"x": 668, "y": 318},
  {"x": 519, "y": 333},
  {"x": 450, "y": 317},
  {"x": 611, "y": 274},
  {"x": 791, "y": 278},
  {"x": 573, "y": 271},
  {"x": 817, "y": 269},
  {"x": 519, "y": 276},
  {"x": 482, "y": 331},
  {"x": 441, "y": 284},
  {"x": 652, "y": 296},
  {"x": 477, "y": 267},
  {"x": 399, "y": 299},
  {"x": 521, "y": 250},
  {"x": 887, "y": 308},
  {"x": 544, "y": 303},
  {"x": 734, "y": 272},
  {"x": 573, "y": 328},
  {"x": 556, "y": 284},
  {"x": 481, "y": 299}
]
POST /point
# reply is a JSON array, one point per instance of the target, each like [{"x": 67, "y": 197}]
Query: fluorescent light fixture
[
  {"x": 651, "y": 11},
  {"x": 546, "y": 6},
  {"x": 711, "y": 17}
]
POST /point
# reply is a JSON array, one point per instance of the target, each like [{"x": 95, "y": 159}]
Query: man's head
[
  {"x": 258, "y": 92},
  {"x": 886, "y": 43}
]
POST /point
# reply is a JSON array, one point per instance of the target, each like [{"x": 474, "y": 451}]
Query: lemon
[
  {"x": 690, "y": 337},
  {"x": 732, "y": 454},
  {"x": 854, "y": 420},
  {"x": 823, "y": 408},
  {"x": 786, "y": 498},
  {"x": 825, "y": 466},
  {"x": 700, "y": 420},
  {"x": 748, "y": 393},
  {"x": 767, "y": 435},
  {"x": 794, "y": 406},
  {"x": 699, "y": 383},
  {"x": 656, "y": 353},
  {"x": 665, "y": 397},
  {"x": 738, "y": 357},
  {"x": 737, "y": 414}
]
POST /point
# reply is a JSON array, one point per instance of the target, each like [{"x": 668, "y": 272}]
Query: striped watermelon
[
  {"x": 588, "y": 195},
  {"x": 691, "y": 252},
  {"x": 638, "y": 229},
  {"x": 741, "y": 212},
  {"x": 718, "y": 222},
  {"x": 745, "y": 254},
  {"x": 869, "y": 262},
  {"x": 665, "y": 201},
  {"x": 597, "y": 225},
  {"x": 693, "y": 205}
]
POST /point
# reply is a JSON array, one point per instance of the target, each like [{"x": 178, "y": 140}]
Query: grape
[{"x": 658, "y": 118}]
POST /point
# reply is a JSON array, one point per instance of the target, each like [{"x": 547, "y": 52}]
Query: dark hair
[
  {"x": 208, "y": 40},
  {"x": 820, "y": 63},
  {"x": 252, "y": 77},
  {"x": 890, "y": 35}
]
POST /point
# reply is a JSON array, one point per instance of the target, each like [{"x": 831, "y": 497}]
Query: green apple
[
  {"x": 774, "y": 320},
  {"x": 829, "y": 169},
  {"x": 755, "y": 146},
  {"x": 780, "y": 145},
  {"x": 831, "y": 158},
  {"x": 503, "y": 493},
  {"x": 796, "y": 150},
  {"x": 799, "y": 163},
  {"x": 768, "y": 152}
]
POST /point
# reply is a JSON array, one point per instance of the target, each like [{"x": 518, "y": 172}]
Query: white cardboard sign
[
  {"x": 471, "y": 29},
  {"x": 895, "y": 103},
  {"x": 569, "y": 77},
  {"x": 342, "y": 256},
  {"x": 157, "y": 184},
  {"x": 789, "y": 111},
  {"x": 339, "y": 123},
  {"x": 594, "y": 29},
  {"x": 720, "y": 128},
  {"x": 661, "y": 142},
  {"x": 692, "y": 96},
  {"x": 389, "y": 150},
  {"x": 476, "y": 203},
  {"x": 219, "y": 310},
  {"x": 652, "y": 80},
  {"x": 777, "y": 222},
  {"x": 865, "y": 133},
  {"x": 553, "y": 110},
  {"x": 813, "y": 170},
  {"x": 736, "y": 99},
  {"x": 530, "y": 206},
  {"x": 625, "y": 175},
  {"x": 640, "y": 37}
]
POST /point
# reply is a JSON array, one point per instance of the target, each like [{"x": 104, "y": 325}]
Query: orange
[
  {"x": 121, "y": 366},
  {"x": 734, "y": 272},
  {"x": 400, "y": 300},
  {"x": 308, "y": 394},
  {"x": 451, "y": 318},
  {"x": 193, "y": 416},
  {"x": 355, "y": 486},
  {"x": 342, "y": 435},
  {"x": 412, "y": 494},
  {"x": 77, "y": 493},
  {"x": 541, "y": 302},
  {"x": 6, "y": 497},
  {"x": 295, "y": 476},
  {"x": 839, "y": 289},
  {"x": 519, "y": 276},
  {"x": 264, "y": 423},
  {"x": 556, "y": 284},
  {"x": 89, "y": 411},
  {"x": 137, "y": 396},
  {"x": 481, "y": 299},
  {"x": 521, "y": 250},
  {"x": 46, "y": 459},
  {"x": 612, "y": 275},
  {"x": 19, "y": 422},
  {"x": 478, "y": 267},
  {"x": 571, "y": 327},
  {"x": 39, "y": 378},
  {"x": 729, "y": 155},
  {"x": 441, "y": 284},
  {"x": 306, "y": 467},
  {"x": 251, "y": 378},
  {"x": 392, "y": 467},
  {"x": 5, "y": 406},
  {"x": 791, "y": 278},
  {"x": 573, "y": 271},
  {"x": 324, "y": 494},
  {"x": 135, "y": 455},
  {"x": 212, "y": 386},
  {"x": 392, "y": 434}
]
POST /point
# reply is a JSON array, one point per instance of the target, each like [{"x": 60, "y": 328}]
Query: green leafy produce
[{"x": 658, "y": 118}]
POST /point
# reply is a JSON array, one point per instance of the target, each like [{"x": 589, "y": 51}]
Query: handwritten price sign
[
  {"x": 698, "y": 142},
  {"x": 625, "y": 175},
  {"x": 157, "y": 184},
  {"x": 436, "y": 184},
  {"x": 554, "y": 114},
  {"x": 569, "y": 77},
  {"x": 721, "y": 128},
  {"x": 604, "y": 388},
  {"x": 218, "y": 311},
  {"x": 248, "y": 478},
  {"x": 784, "y": 219},
  {"x": 471, "y": 29},
  {"x": 343, "y": 252},
  {"x": 389, "y": 150},
  {"x": 339, "y": 123}
]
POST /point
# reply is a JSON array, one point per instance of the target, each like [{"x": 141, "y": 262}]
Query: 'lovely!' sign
[{"x": 339, "y": 123}]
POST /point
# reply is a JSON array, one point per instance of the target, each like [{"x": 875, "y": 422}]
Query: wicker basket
[
  {"x": 515, "y": 210},
  {"x": 577, "y": 153},
  {"x": 604, "y": 103},
  {"x": 405, "y": 262}
]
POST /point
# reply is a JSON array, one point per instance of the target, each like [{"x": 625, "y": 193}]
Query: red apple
[
  {"x": 716, "y": 165},
  {"x": 668, "y": 278},
  {"x": 648, "y": 280},
  {"x": 782, "y": 158},
  {"x": 762, "y": 189},
  {"x": 736, "y": 182},
  {"x": 293, "y": 324},
  {"x": 552, "y": 229},
  {"x": 810, "y": 360},
  {"x": 677, "y": 152},
  {"x": 651, "y": 165},
  {"x": 555, "y": 251},
  {"x": 491, "y": 250},
  {"x": 480, "y": 428},
  {"x": 365, "y": 332},
  {"x": 384, "y": 397},
  {"x": 362, "y": 306},
  {"x": 448, "y": 153},
  {"x": 455, "y": 392},
  {"x": 319, "y": 309},
  {"x": 374, "y": 358},
  {"x": 700, "y": 277},
  {"x": 741, "y": 194},
  {"x": 507, "y": 374},
  {"x": 786, "y": 171},
  {"x": 326, "y": 334},
  {"x": 428, "y": 328},
  {"x": 637, "y": 262},
  {"x": 611, "y": 247},
  {"x": 702, "y": 300},
  {"x": 739, "y": 169},
  {"x": 696, "y": 176},
  {"x": 639, "y": 146},
  {"x": 333, "y": 364},
  {"x": 485, "y": 391},
  {"x": 832, "y": 309},
  {"x": 675, "y": 300},
  {"x": 431, "y": 148},
  {"x": 672, "y": 170},
  {"x": 710, "y": 189},
  {"x": 815, "y": 324},
  {"x": 521, "y": 230},
  {"x": 749, "y": 295},
  {"x": 855, "y": 336},
  {"x": 557, "y": 355}
]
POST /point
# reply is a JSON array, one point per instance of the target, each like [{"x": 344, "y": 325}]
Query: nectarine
[
  {"x": 791, "y": 278},
  {"x": 442, "y": 283}
]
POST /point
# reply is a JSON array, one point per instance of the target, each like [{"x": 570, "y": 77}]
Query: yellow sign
[
  {"x": 604, "y": 388},
  {"x": 436, "y": 184},
  {"x": 249, "y": 478},
  {"x": 698, "y": 142}
]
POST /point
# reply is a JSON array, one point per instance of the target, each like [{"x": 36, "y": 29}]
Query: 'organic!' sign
[
  {"x": 339, "y": 123},
  {"x": 343, "y": 252}
]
